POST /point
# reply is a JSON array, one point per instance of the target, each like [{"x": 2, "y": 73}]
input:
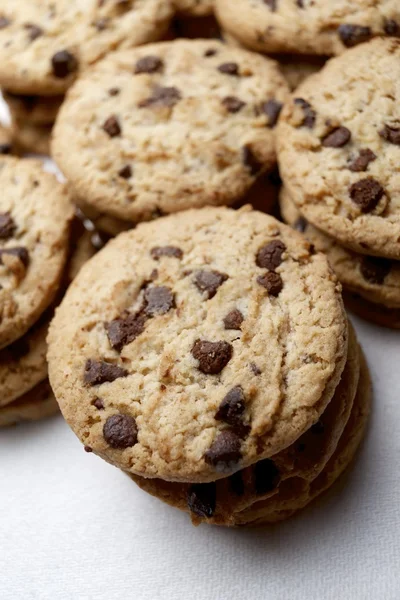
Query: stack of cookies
[
  {"x": 208, "y": 355},
  {"x": 339, "y": 150}
]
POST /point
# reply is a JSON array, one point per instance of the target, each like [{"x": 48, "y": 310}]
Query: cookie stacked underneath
[
  {"x": 35, "y": 222},
  {"x": 208, "y": 355},
  {"x": 339, "y": 150}
]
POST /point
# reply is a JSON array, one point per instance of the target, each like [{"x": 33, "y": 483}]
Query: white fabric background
[{"x": 74, "y": 528}]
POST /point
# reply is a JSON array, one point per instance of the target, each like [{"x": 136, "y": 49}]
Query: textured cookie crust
[
  {"x": 167, "y": 328},
  {"x": 31, "y": 139},
  {"x": 198, "y": 8},
  {"x": 35, "y": 215},
  {"x": 196, "y": 128},
  {"x": 45, "y": 44},
  {"x": 36, "y": 404},
  {"x": 305, "y": 26},
  {"x": 35, "y": 110},
  {"x": 376, "y": 279},
  {"x": 339, "y": 148}
]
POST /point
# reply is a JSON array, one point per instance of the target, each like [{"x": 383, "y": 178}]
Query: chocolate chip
[
  {"x": 351, "y": 35},
  {"x": 272, "y": 282},
  {"x": 114, "y": 91},
  {"x": 366, "y": 193},
  {"x": 236, "y": 483},
  {"x": 125, "y": 172},
  {"x": 159, "y": 300},
  {"x": 171, "y": 251},
  {"x": 7, "y": 226},
  {"x": 300, "y": 3},
  {"x": 362, "y": 161},
  {"x": 392, "y": 28},
  {"x": 309, "y": 113},
  {"x": 19, "y": 252},
  {"x": 98, "y": 403},
  {"x": 270, "y": 255},
  {"x": 234, "y": 319},
  {"x": 101, "y": 24},
  {"x": 122, "y": 332},
  {"x": 232, "y": 408},
  {"x": 112, "y": 127},
  {"x": 33, "y": 31},
  {"x": 120, "y": 431},
  {"x": 98, "y": 372},
  {"x": 337, "y": 138},
  {"x": 209, "y": 282},
  {"x": 149, "y": 64},
  {"x": 88, "y": 449},
  {"x": 300, "y": 224},
  {"x": 229, "y": 68},
  {"x": 5, "y": 148},
  {"x": 250, "y": 161},
  {"x": 4, "y": 22},
  {"x": 272, "y": 109},
  {"x": 63, "y": 63},
  {"x": 224, "y": 453},
  {"x": 374, "y": 269},
  {"x": 271, "y": 4},
  {"x": 390, "y": 134},
  {"x": 256, "y": 370},
  {"x": 212, "y": 356},
  {"x": 210, "y": 52},
  {"x": 266, "y": 476},
  {"x": 201, "y": 499},
  {"x": 233, "y": 104},
  {"x": 162, "y": 96}
]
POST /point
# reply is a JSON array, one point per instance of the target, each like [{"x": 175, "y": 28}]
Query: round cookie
[
  {"x": 156, "y": 354},
  {"x": 375, "y": 279},
  {"x": 35, "y": 215},
  {"x": 38, "y": 403},
  {"x": 339, "y": 146},
  {"x": 306, "y": 26},
  {"x": 168, "y": 127},
  {"x": 45, "y": 45},
  {"x": 35, "y": 110},
  {"x": 304, "y": 459},
  {"x": 31, "y": 139}
]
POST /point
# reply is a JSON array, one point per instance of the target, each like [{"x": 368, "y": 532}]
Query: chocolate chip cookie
[
  {"x": 45, "y": 44},
  {"x": 35, "y": 215},
  {"x": 157, "y": 353},
  {"x": 339, "y": 147},
  {"x": 36, "y": 404},
  {"x": 306, "y": 26}
]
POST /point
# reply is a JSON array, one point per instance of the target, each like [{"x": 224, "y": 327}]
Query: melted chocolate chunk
[
  {"x": 34, "y": 31},
  {"x": 63, "y": 64},
  {"x": 337, "y": 138},
  {"x": 231, "y": 410},
  {"x": 114, "y": 91},
  {"x": 272, "y": 108},
  {"x": 233, "y": 320},
  {"x": 7, "y": 226},
  {"x": 149, "y": 64},
  {"x": 250, "y": 161},
  {"x": 98, "y": 403},
  {"x": 170, "y": 251},
  {"x": 229, "y": 68},
  {"x": 201, "y": 499},
  {"x": 98, "y": 372},
  {"x": 362, "y": 161},
  {"x": 112, "y": 127},
  {"x": 309, "y": 113},
  {"x": 159, "y": 300},
  {"x": 375, "y": 269},
  {"x": 209, "y": 282},
  {"x": 162, "y": 96},
  {"x": 122, "y": 332},
  {"x": 256, "y": 370},
  {"x": 270, "y": 255},
  {"x": 390, "y": 134},
  {"x": 233, "y": 104},
  {"x": 19, "y": 252},
  {"x": 120, "y": 431},
  {"x": 351, "y": 35},
  {"x": 125, "y": 172},
  {"x": 366, "y": 193},
  {"x": 212, "y": 356},
  {"x": 266, "y": 476},
  {"x": 272, "y": 282},
  {"x": 392, "y": 28},
  {"x": 210, "y": 52},
  {"x": 224, "y": 453}
]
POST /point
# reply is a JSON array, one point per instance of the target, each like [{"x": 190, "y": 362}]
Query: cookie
[
  {"x": 373, "y": 278},
  {"x": 306, "y": 26},
  {"x": 6, "y": 142},
  {"x": 190, "y": 123},
  {"x": 304, "y": 460},
  {"x": 338, "y": 150},
  {"x": 35, "y": 110},
  {"x": 373, "y": 312},
  {"x": 31, "y": 139},
  {"x": 38, "y": 403},
  {"x": 156, "y": 354},
  {"x": 35, "y": 215},
  {"x": 45, "y": 45}
]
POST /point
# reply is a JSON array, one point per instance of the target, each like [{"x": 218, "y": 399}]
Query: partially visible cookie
[
  {"x": 35, "y": 110},
  {"x": 44, "y": 45},
  {"x": 339, "y": 146},
  {"x": 371, "y": 311},
  {"x": 38, "y": 403},
  {"x": 306, "y": 26},
  {"x": 35, "y": 215},
  {"x": 169, "y": 126},
  {"x": 31, "y": 139},
  {"x": 157, "y": 352},
  {"x": 374, "y": 278}
]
